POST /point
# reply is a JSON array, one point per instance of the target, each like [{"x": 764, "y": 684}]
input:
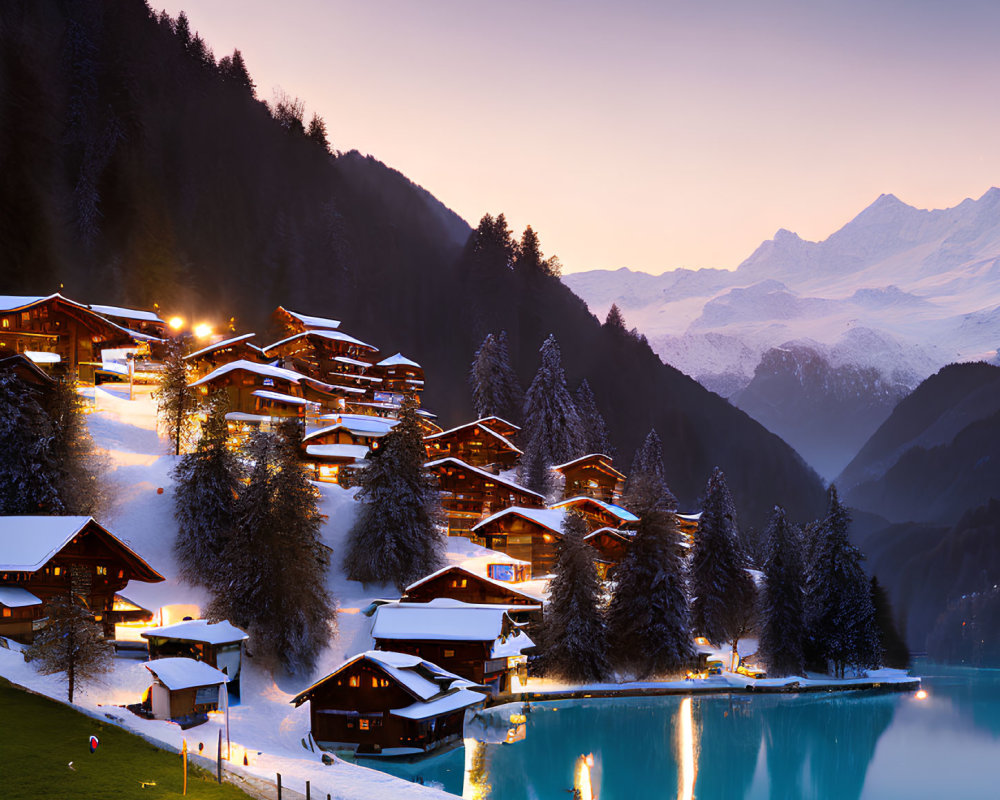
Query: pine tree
[
  {"x": 496, "y": 390},
  {"x": 717, "y": 568},
  {"x": 493, "y": 245},
  {"x": 895, "y": 652},
  {"x": 595, "y": 429},
  {"x": 782, "y": 615},
  {"x": 29, "y": 475},
  {"x": 646, "y": 486},
  {"x": 573, "y": 633},
  {"x": 614, "y": 321},
  {"x": 233, "y": 70},
  {"x": 648, "y": 627},
  {"x": 317, "y": 132},
  {"x": 840, "y": 614},
  {"x": 395, "y": 538},
  {"x": 71, "y": 642},
  {"x": 176, "y": 402},
  {"x": 79, "y": 466},
  {"x": 272, "y": 577},
  {"x": 208, "y": 483},
  {"x": 552, "y": 430}
]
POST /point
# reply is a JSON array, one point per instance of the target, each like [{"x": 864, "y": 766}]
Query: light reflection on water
[{"x": 768, "y": 747}]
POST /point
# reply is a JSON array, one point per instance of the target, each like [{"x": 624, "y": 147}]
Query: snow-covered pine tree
[
  {"x": 80, "y": 466},
  {"x": 395, "y": 538},
  {"x": 272, "y": 577},
  {"x": 574, "y": 637},
  {"x": 551, "y": 429},
  {"x": 646, "y": 485},
  {"x": 176, "y": 402},
  {"x": 29, "y": 475},
  {"x": 782, "y": 613},
  {"x": 648, "y": 628},
  {"x": 496, "y": 390},
  {"x": 71, "y": 642},
  {"x": 840, "y": 616},
  {"x": 207, "y": 484},
  {"x": 717, "y": 568},
  {"x": 595, "y": 429}
]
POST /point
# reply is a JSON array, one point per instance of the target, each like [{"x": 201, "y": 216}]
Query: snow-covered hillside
[{"x": 898, "y": 289}]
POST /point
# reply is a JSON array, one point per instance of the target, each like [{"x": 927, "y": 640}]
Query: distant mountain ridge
[{"x": 897, "y": 289}]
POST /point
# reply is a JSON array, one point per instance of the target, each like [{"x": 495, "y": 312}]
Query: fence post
[
  {"x": 307, "y": 790},
  {"x": 279, "y": 785},
  {"x": 218, "y": 759}
]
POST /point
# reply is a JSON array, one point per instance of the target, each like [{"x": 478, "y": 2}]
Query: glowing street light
[
  {"x": 176, "y": 323},
  {"x": 203, "y": 330}
]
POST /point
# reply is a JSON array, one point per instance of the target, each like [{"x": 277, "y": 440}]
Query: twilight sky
[{"x": 650, "y": 135}]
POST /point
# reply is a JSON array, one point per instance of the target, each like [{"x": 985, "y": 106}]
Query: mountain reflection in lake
[{"x": 823, "y": 746}]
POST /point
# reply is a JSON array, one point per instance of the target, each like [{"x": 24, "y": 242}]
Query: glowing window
[
  {"x": 363, "y": 724},
  {"x": 57, "y": 570},
  {"x": 102, "y": 570},
  {"x": 449, "y": 653},
  {"x": 354, "y": 682},
  {"x": 6, "y": 612}
]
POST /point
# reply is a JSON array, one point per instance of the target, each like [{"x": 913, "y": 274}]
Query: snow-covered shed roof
[
  {"x": 185, "y": 673},
  {"x": 459, "y": 464},
  {"x": 17, "y": 597},
  {"x": 264, "y": 370},
  {"x": 355, "y": 451},
  {"x": 279, "y": 397},
  {"x": 356, "y": 423},
  {"x": 445, "y": 704},
  {"x": 127, "y": 313},
  {"x": 485, "y": 428},
  {"x": 621, "y": 513},
  {"x": 28, "y": 543},
  {"x": 508, "y": 587},
  {"x": 199, "y": 630},
  {"x": 245, "y": 337},
  {"x": 550, "y": 518},
  {"x": 422, "y": 679},
  {"x": 310, "y": 321},
  {"x": 398, "y": 360},
  {"x": 335, "y": 336},
  {"x": 440, "y": 620}
]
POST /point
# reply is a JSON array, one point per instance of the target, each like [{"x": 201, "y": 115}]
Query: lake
[{"x": 839, "y": 746}]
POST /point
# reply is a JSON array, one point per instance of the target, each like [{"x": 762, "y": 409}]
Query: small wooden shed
[{"x": 183, "y": 687}]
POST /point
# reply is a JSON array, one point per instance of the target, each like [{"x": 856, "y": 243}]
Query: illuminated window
[
  {"x": 6, "y": 322},
  {"x": 6, "y": 612},
  {"x": 449, "y": 653},
  {"x": 102, "y": 570},
  {"x": 354, "y": 682},
  {"x": 57, "y": 570},
  {"x": 374, "y": 682},
  {"x": 464, "y": 583},
  {"x": 363, "y": 724}
]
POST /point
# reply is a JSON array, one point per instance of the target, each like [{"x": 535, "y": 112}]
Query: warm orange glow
[
  {"x": 202, "y": 330},
  {"x": 921, "y": 695},
  {"x": 176, "y": 323}
]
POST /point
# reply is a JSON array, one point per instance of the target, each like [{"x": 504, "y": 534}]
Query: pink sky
[{"x": 650, "y": 135}]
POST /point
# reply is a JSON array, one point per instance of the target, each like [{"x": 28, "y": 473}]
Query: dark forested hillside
[{"x": 138, "y": 169}]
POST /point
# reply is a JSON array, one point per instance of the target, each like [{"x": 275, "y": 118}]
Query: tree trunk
[{"x": 71, "y": 665}]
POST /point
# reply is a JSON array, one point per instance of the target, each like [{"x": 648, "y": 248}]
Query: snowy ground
[{"x": 264, "y": 727}]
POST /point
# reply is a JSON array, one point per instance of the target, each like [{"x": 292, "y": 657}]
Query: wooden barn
[
  {"x": 382, "y": 703},
  {"x": 592, "y": 476},
  {"x": 528, "y": 534},
  {"x": 474, "y": 443},
  {"x": 469, "y": 494},
  {"x": 42, "y": 557},
  {"x": 598, "y": 513},
  {"x": 459, "y": 583},
  {"x": 218, "y": 644},
  {"x": 482, "y": 643},
  {"x": 183, "y": 688},
  {"x": 226, "y": 351}
]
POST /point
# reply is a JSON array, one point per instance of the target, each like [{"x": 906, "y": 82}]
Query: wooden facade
[
  {"x": 611, "y": 545},
  {"x": 469, "y": 494},
  {"x": 329, "y": 356},
  {"x": 292, "y": 322},
  {"x": 527, "y": 534},
  {"x": 506, "y": 429},
  {"x": 598, "y": 513},
  {"x": 474, "y": 443},
  {"x": 592, "y": 476},
  {"x": 459, "y": 583},
  {"x": 383, "y": 703},
  {"x": 237, "y": 348},
  {"x": 182, "y": 689},
  {"x": 52, "y": 556},
  {"x": 139, "y": 320},
  {"x": 400, "y": 376}
]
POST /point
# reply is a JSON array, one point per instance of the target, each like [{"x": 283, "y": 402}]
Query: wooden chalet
[
  {"x": 474, "y": 443},
  {"x": 598, "y": 513},
  {"x": 529, "y": 534},
  {"x": 459, "y": 583},
  {"x": 611, "y": 545},
  {"x": 292, "y": 322},
  {"x": 147, "y": 322},
  {"x": 330, "y": 356},
  {"x": 55, "y": 330},
  {"x": 469, "y": 494},
  {"x": 481, "y": 643},
  {"x": 688, "y": 525},
  {"x": 334, "y": 450},
  {"x": 501, "y": 426},
  {"x": 183, "y": 688},
  {"x": 593, "y": 476},
  {"x": 226, "y": 351},
  {"x": 218, "y": 644},
  {"x": 400, "y": 376},
  {"x": 382, "y": 703},
  {"x": 42, "y": 557}
]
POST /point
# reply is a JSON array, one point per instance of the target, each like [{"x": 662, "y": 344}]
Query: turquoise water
[{"x": 839, "y": 746}]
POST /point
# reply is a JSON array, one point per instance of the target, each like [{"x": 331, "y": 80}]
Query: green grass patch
[{"x": 39, "y": 737}]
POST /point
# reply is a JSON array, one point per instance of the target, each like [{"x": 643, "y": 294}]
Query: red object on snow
[{"x": 93, "y": 743}]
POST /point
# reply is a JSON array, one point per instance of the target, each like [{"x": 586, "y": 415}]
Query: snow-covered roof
[
  {"x": 27, "y": 543},
  {"x": 313, "y": 322},
  {"x": 509, "y": 587},
  {"x": 279, "y": 397},
  {"x": 199, "y": 630},
  {"x": 493, "y": 418},
  {"x": 17, "y": 597},
  {"x": 485, "y": 428},
  {"x": 440, "y": 620},
  {"x": 354, "y": 362},
  {"x": 457, "y": 462},
  {"x": 620, "y": 533},
  {"x": 623, "y": 514},
  {"x": 264, "y": 370},
  {"x": 127, "y": 313},
  {"x": 224, "y": 343},
  {"x": 551, "y": 518},
  {"x": 605, "y": 462},
  {"x": 355, "y": 451},
  {"x": 690, "y": 517},
  {"x": 185, "y": 673},
  {"x": 453, "y": 701},
  {"x": 357, "y": 423},
  {"x": 243, "y": 416},
  {"x": 398, "y": 360},
  {"x": 511, "y": 645},
  {"x": 21, "y": 302},
  {"x": 334, "y": 336}
]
